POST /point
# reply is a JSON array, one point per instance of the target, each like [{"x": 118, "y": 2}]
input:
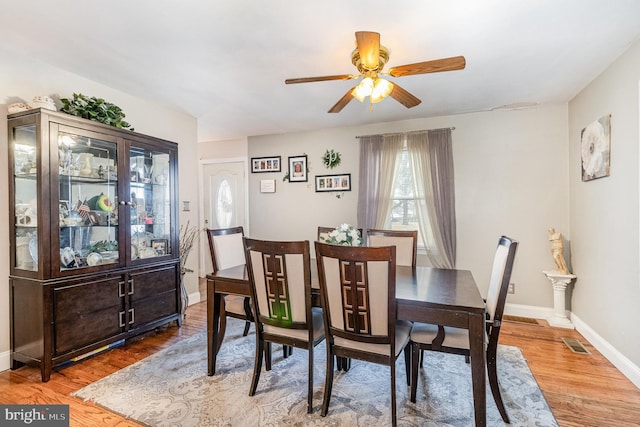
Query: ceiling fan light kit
[{"x": 369, "y": 57}]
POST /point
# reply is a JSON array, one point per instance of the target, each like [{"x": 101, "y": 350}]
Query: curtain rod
[{"x": 402, "y": 133}]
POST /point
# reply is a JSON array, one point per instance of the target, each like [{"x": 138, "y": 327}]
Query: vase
[{"x": 184, "y": 297}]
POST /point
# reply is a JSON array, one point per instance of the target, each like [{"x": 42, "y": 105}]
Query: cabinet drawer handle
[
  {"x": 132, "y": 315},
  {"x": 121, "y": 289},
  {"x": 121, "y": 319},
  {"x": 131, "y": 287}
]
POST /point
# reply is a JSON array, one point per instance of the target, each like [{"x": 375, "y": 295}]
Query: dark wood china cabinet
[{"x": 93, "y": 234}]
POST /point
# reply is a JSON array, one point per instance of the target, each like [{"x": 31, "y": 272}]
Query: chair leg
[
  {"x": 287, "y": 350},
  {"x": 492, "y": 372},
  {"x": 310, "y": 380},
  {"x": 393, "y": 394},
  {"x": 343, "y": 363},
  {"x": 407, "y": 362},
  {"x": 415, "y": 356},
  {"x": 223, "y": 324},
  {"x": 247, "y": 324},
  {"x": 267, "y": 356},
  {"x": 257, "y": 365},
  {"x": 328, "y": 383}
]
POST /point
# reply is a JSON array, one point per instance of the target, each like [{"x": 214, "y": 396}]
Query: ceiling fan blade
[
  {"x": 320, "y": 79},
  {"x": 435, "y": 66},
  {"x": 404, "y": 97},
  {"x": 342, "y": 102},
  {"x": 368, "y": 44}
]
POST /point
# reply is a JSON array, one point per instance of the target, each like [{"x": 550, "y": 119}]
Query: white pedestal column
[{"x": 559, "y": 283}]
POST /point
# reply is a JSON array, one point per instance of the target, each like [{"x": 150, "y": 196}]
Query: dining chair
[
  {"x": 226, "y": 249},
  {"x": 454, "y": 340},
  {"x": 358, "y": 294},
  {"x": 280, "y": 278},
  {"x": 405, "y": 241}
]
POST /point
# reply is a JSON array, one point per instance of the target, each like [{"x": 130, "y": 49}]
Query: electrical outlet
[{"x": 512, "y": 288}]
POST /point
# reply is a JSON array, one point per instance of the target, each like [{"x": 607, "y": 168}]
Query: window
[
  {"x": 404, "y": 214},
  {"x": 396, "y": 196}
]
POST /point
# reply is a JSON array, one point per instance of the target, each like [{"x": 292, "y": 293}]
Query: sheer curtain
[
  {"x": 431, "y": 157},
  {"x": 378, "y": 156}
]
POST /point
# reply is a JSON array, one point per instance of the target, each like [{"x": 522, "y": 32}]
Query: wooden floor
[{"x": 582, "y": 390}]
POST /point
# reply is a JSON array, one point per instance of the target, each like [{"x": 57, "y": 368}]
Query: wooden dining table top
[{"x": 424, "y": 284}]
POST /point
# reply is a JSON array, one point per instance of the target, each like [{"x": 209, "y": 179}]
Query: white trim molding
[
  {"x": 531, "y": 311},
  {"x": 620, "y": 361},
  {"x": 5, "y": 360}
]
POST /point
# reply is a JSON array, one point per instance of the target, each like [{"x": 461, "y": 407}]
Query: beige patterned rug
[{"x": 171, "y": 388}]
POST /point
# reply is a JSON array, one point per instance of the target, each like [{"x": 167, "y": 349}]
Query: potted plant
[{"x": 97, "y": 109}]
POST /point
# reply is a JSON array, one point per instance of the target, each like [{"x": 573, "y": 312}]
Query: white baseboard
[
  {"x": 5, "y": 360},
  {"x": 620, "y": 361},
  {"x": 532, "y": 311},
  {"x": 194, "y": 298}
]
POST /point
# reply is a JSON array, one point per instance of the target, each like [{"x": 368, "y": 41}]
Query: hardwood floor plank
[{"x": 582, "y": 390}]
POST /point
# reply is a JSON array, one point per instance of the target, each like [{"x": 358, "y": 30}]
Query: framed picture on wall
[
  {"x": 333, "y": 182},
  {"x": 595, "y": 149},
  {"x": 298, "y": 169},
  {"x": 266, "y": 164}
]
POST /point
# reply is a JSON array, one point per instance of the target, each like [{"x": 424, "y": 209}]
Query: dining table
[{"x": 447, "y": 297}]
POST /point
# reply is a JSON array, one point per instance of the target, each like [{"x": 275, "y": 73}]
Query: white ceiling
[{"x": 225, "y": 61}]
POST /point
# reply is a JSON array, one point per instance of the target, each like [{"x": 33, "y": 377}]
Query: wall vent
[{"x": 575, "y": 346}]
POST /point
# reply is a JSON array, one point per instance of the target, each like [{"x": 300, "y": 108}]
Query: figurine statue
[{"x": 557, "y": 251}]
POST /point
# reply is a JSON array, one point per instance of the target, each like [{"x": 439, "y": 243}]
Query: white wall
[
  {"x": 604, "y": 212},
  {"x": 511, "y": 178},
  {"x": 22, "y": 77}
]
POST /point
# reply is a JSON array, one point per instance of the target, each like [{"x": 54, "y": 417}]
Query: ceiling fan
[{"x": 369, "y": 57}]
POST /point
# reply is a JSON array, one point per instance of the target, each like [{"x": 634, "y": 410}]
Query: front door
[{"x": 224, "y": 202}]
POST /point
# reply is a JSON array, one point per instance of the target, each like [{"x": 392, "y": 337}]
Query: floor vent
[{"x": 575, "y": 346}]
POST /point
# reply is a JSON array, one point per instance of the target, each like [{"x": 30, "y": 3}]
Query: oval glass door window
[{"x": 224, "y": 204}]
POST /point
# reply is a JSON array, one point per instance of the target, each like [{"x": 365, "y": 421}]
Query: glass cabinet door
[
  {"x": 87, "y": 201},
  {"x": 150, "y": 203},
  {"x": 25, "y": 195}
]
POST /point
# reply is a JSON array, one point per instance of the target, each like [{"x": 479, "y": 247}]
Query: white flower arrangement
[{"x": 345, "y": 235}]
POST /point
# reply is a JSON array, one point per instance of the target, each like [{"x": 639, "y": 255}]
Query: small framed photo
[
  {"x": 63, "y": 209},
  {"x": 333, "y": 182},
  {"x": 160, "y": 246},
  {"x": 266, "y": 164},
  {"x": 298, "y": 169}
]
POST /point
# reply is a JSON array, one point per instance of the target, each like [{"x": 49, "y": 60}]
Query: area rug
[{"x": 171, "y": 388}]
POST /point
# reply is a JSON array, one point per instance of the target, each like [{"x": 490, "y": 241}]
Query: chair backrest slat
[
  {"x": 500, "y": 276},
  {"x": 281, "y": 281},
  {"x": 226, "y": 248},
  {"x": 357, "y": 285},
  {"x": 405, "y": 241}
]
